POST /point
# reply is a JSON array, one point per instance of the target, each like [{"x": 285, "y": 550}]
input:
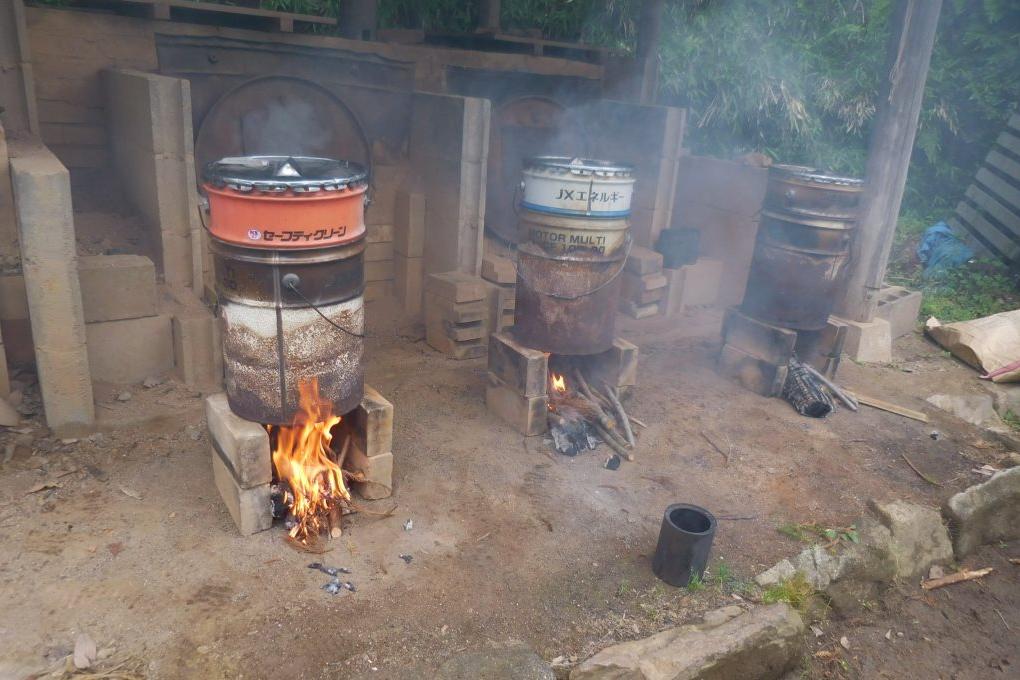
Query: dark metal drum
[{"x": 803, "y": 192}]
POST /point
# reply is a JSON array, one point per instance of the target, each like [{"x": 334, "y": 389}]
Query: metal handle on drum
[
  {"x": 560, "y": 296},
  {"x": 291, "y": 281}
]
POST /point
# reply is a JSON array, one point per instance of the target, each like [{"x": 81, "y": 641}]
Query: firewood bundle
[{"x": 581, "y": 414}]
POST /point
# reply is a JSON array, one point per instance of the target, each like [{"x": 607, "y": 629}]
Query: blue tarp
[{"x": 940, "y": 250}]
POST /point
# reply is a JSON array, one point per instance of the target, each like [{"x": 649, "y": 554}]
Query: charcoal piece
[
  {"x": 613, "y": 462},
  {"x": 333, "y": 587},
  {"x": 407, "y": 558},
  {"x": 571, "y": 432},
  {"x": 329, "y": 571}
]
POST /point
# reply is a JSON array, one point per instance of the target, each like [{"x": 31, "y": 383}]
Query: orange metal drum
[{"x": 283, "y": 202}]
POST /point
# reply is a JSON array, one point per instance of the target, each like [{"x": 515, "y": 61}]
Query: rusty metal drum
[
  {"x": 797, "y": 271},
  {"x": 566, "y": 303},
  {"x": 800, "y": 191},
  {"x": 290, "y": 316}
]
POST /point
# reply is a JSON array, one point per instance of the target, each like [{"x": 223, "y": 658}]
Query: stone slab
[
  {"x": 455, "y": 312},
  {"x": 761, "y": 644},
  {"x": 617, "y": 365},
  {"x": 638, "y": 311},
  {"x": 498, "y": 269},
  {"x": 378, "y": 475},
  {"x": 409, "y": 224},
  {"x": 251, "y": 509},
  {"x": 243, "y": 445},
  {"x": 130, "y": 350},
  {"x": 409, "y": 281},
  {"x": 527, "y": 415},
  {"x": 115, "y": 287},
  {"x": 198, "y": 353}
]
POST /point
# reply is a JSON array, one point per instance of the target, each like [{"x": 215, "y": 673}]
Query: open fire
[
  {"x": 581, "y": 414},
  {"x": 310, "y": 473}
]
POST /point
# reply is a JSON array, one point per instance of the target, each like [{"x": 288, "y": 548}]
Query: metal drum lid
[
  {"x": 579, "y": 166},
  {"x": 278, "y": 174}
]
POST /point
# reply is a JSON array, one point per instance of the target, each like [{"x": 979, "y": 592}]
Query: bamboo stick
[
  {"x": 849, "y": 401},
  {"x": 958, "y": 577},
  {"x": 620, "y": 413}
]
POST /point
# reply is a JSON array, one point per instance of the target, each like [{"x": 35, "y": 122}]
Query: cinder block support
[
  {"x": 449, "y": 148},
  {"x": 42, "y": 192},
  {"x": 867, "y": 341}
]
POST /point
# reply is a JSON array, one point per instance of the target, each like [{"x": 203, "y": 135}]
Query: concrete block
[
  {"x": 378, "y": 476},
  {"x": 375, "y": 290},
  {"x": 379, "y": 233},
  {"x": 242, "y": 444},
  {"x": 42, "y": 192},
  {"x": 701, "y": 282},
  {"x": 754, "y": 373},
  {"x": 373, "y": 420},
  {"x": 251, "y": 509},
  {"x": 643, "y": 261},
  {"x": 409, "y": 281},
  {"x": 501, "y": 301},
  {"x": 617, "y": 365},
  {"x": 518, "y": 367},
  {"x": 458, "y": 332},
  {"x": 771, "y": 343},
  {"x": 115, "y": 287},
  {"x": 409, "y": 224},
  {"x": 456, "y": 286},
  {"x": 900, "y": 307},
  {"x": 128, "y": 351},
  {"x": 528, "y": 415},
  {"x": 437, "y": 337},
  {"x": 454, "y": 312},
  {"x": 498, "y": 269},
  {"x": 379, "y": 271},
  {"x": 867, "y": 342},
  {"x": 673, "y": 298},
  {"x": 380, "y": 251},
  {"x": 637, "y": 311},
  {"x": 198, "y": 353},
  {"x": 643, "y": 289}
]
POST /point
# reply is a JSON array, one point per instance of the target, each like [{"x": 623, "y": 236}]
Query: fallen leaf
[
  {"x": 824, "y": 654},
  {"x": 42, "y": 486},
  {"x": 84, "y": 652},
  {"x": 128, "y": 491},
  {"x": 115, "y": 548},
  {"x": 844, "y": 642},
  {"x": 817, "y": 631}
]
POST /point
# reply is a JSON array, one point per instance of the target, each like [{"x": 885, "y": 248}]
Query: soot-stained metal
[{"x": 566, "y": 304}]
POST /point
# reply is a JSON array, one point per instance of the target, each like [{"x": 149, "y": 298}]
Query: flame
[
  {"x": 559, "y": 383},
  {"x": 302, "y": 459}
]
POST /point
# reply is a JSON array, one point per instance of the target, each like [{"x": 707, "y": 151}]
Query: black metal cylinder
[{"x": 685, "y": 541}]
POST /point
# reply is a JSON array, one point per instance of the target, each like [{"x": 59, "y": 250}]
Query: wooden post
[
  {"x": 892, "y": 141},
  {"x": 358, "y": 19},
  {"x": 646, "y": 54},
  {"x": 488, "y": 16}
]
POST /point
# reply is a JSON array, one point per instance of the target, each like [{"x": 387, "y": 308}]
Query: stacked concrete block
[
  {"x": 501, "y": 276},
  {"x": 154, "y": 157},
  {"x": 516, "y": 388},
  {"x": 379, "y": 261},
  {"x": 456, "y": 309},
  {"x": 693, "y": 285},
  {"x": 242, "y": 465},
  {"x": 42, "y": 192},
  {"x": 900, "y": 307},
  {"x": 409, "y": 250},
  {"x": 755, "y": 354},
  {"x": 372, "y": 450},
  {"x": 197, "y": 348},
  {"x": 643, "y": 284}
]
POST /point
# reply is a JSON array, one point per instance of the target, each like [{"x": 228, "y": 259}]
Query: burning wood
[
  {"x": 579, "y": 416},
  {"x": 311, "y": 481}
]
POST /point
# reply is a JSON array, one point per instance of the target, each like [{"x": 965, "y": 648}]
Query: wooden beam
[{"x": 892, "y": 141}]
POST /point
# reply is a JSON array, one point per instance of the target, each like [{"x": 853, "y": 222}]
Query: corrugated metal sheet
[{"x": 990, "y": 210}]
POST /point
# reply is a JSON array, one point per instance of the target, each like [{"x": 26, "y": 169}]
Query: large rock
[
  {"x": 917, "y": 539},
  {"x": 976, "y": 409},
  {"x": 763, "y": 643},
  {"x": 513, "y": 662},
  {"x": 986, "y": 512}
]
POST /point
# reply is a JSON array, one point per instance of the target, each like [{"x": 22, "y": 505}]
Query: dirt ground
[{"x": 509, "y": 541}]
